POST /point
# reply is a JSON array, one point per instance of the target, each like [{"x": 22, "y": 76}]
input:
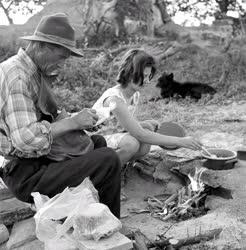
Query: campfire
[{"x": 186, "y": 203}]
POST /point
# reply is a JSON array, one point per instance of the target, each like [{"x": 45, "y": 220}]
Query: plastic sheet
[{"x": 71, "y": 216}]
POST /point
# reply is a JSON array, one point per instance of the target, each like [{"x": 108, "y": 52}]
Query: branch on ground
[
  {"x": 169, "y": 52},
  {"x": 177, "y": 243}
]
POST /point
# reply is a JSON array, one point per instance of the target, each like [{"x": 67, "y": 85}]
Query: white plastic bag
[
  {"x": 74, "y": 205},
  {"x": 94, "y": 223}
]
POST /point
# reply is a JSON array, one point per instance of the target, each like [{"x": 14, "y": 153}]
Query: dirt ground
[{"x": 220, "y": 126}]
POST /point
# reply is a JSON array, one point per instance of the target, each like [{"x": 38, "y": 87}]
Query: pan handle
[{"x": 231, "y": 161}]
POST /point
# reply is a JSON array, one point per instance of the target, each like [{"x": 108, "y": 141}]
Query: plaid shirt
[{"x": 22, "y": 133}]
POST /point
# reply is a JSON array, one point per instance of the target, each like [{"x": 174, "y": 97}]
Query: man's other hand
[{"x": 84, "y": 119}]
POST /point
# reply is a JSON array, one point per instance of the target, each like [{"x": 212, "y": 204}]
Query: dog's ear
[
  {"x": 170, "y": 76},
  {"x": 159, "y": 82}
]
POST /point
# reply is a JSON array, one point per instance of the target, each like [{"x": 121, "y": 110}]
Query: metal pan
[
  {"x": 226, "y": 159},
  {"x": 222, "y": 154}
]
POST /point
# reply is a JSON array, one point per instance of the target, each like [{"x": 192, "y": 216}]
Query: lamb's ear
[{"x": 170, "y": 76}]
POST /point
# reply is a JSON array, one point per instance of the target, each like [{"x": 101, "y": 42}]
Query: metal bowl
[
  {"x": 221, "y": 154},
  {"x": 225, "y": 160},
  {"x": 171, "y": 129}
]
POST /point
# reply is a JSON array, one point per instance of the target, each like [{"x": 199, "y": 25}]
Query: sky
[{"x": 19, "y": 18}]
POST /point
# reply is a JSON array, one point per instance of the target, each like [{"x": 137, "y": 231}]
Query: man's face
[{"x": 53, "y": 59}]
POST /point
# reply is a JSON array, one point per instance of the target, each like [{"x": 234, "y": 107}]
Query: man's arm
[
  {"x": 84, "y": 119},
  {"x": 29, "y": 137},
  {"x": 33, "y": 138}
]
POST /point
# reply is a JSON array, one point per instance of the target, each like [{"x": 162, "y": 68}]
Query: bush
[
  {"x": 7, "y": 48},
  {"x": 82, "y": 81}
]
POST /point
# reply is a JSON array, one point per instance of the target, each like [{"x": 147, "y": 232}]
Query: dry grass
[{"x": 198, "y": 118}]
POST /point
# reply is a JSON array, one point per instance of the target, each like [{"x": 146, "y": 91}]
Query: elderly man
[{"x": 30, "y": 125}]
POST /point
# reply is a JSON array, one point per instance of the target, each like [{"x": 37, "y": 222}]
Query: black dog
[{"x": 169, "y": 87}]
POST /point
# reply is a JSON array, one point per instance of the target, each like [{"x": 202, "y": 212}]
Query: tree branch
[
  {"x": 5, "y": 10},
  {"x": 9, "y": 5}
]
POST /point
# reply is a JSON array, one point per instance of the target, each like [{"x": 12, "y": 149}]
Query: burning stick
[{"x": 183, "y": 203}]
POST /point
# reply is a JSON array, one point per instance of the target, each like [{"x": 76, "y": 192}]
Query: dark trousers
[{"x": 23, "y": 176}]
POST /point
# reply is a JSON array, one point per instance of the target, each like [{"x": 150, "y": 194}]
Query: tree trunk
[
  {"x": 223, "y": 6},
  {"x": 120, "y": 30},
  {"x": 5, "y": 10},
  {"x": 161, "y": 5}
]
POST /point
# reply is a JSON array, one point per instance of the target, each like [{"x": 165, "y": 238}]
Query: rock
[
  {"x": 22, "y": 232},
  {"x": 163, "y": 175},
  {"x": 144, "y": 169},
  {"x": 214, "y": 202},
  {"x": 209, "y": 177},
  {"x": 33, "y": 245},
  {"x": 4, "y": 234},
  {"x": 184, "y": 153},
  {"x": 12, "y": 210},
  {"x": 5, "y": 194},
  {"x": 230, "y": 236},
  {"x": 147, "y": 164},
  {"x": 116, "y": 242},
  {"x": 61, "y": 243}
]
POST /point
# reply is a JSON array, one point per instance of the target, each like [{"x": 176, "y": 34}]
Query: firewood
[
  {"x": 138, "y": 211},
  {"x": 198, "y": 238},
  {"x": 158, "y": 201},
  {"x": 171, "y": 198},
  {"x": 139, "y": 243},
  {"x": 158, "y": 196},
  {"x": 154, "y": 203},
  {"x": 176, "y": 243},
  {"x": 169, "y": 216}
]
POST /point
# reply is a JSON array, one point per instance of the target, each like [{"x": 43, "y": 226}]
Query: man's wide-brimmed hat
[{"x": 56, "y": 29}]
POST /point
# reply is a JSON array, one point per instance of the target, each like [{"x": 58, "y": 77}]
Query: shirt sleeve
[{"x": 30, "y": 137}]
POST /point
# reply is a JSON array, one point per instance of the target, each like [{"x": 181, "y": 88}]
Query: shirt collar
[{"x": 27, "y": 61}]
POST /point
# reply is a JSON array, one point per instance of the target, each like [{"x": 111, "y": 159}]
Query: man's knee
[
  {"x": 111, "y": 157},
  {"x": 99, "y": 141}
]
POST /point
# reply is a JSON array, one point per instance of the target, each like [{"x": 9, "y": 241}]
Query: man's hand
[
  {"x": 190, "y": 142},
  {"x": 84, "y": 119},
  {"x": 62, "y": 115}
]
